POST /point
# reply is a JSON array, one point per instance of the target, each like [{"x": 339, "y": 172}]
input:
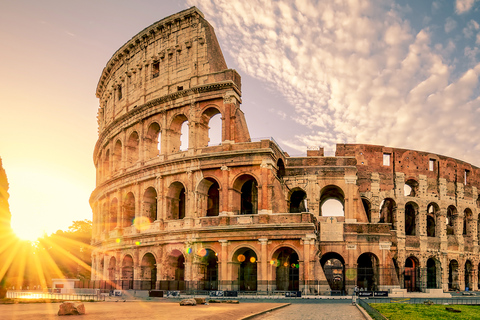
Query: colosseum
[{"x": 174, "y": 211}]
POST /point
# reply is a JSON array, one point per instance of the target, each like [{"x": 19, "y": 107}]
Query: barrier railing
[{"x": 53, "y": 296}]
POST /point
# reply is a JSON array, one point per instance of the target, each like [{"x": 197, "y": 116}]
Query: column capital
[{"x": 263, "y": 241}]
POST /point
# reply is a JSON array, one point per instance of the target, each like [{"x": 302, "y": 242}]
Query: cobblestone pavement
[{"x": 311, "y": 311}]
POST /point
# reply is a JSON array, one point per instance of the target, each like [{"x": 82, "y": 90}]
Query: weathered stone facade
[{"x": 243, "y": 215}]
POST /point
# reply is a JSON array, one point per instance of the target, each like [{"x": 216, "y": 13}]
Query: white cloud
[
  {"x": 462, "y": 6},
  {"x": 470, "y": 29},
  {"x": 353, "y": 72},
  {"x": 450, "y": 24}
]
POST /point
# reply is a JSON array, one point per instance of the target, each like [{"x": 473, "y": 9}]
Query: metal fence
[{"x": 459, "y": 300}]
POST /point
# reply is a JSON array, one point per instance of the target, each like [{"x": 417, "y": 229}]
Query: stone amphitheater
[{"x": 174, "y": 211}]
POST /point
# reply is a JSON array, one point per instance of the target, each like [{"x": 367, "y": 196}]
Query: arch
[
  {"x": 432, "y": 211},
  {"x": 410, "y": 189},
  {"x": 451, "y": 219},
  {"x": 175, "y": 270},
  {"x": 132, "y": 148},
  {"x": 112, "y": 269},
  {"x": 287, "y": 275},
  {"x": 388, "y": 212},
  {"x": 280, "y": 169},
  {"x": 412, "y": 274},
  {"x": 468, "y": 275},
  {"x": 297, "y": 201},
  {"x": 129, "y": 210},
  {"x": 176, "y": 206},
  {"x": 368, "y": 209},
  {"x": 208, "y": 191},
  {"x": 175, "y": 133},
  {"x": 247, "y": 201},
  {"x": 113, "y": 214},
  {"x": 117, "y": 156},
  {"x": 332, "y": 200},
  {"x": 467, "y": 222},
  {"x": 245, "y": 269},
  {"x": 434, "y": 274},
  {"x": 367, "y": 271},
  {"x": 453, "y": 281},
  {"x": 209, "y": 260},
  {"x": 153, "y": 140},
  {"x": 150, "y": 204},
  {"x": 148, "y": 271},
  {"x": 411, "y": 210},
  {"x": 127, "y": 272},
  {"x": 333, "y": 266}
]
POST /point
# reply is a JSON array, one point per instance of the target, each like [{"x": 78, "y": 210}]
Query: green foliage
[{"x": 401, "y": 311}]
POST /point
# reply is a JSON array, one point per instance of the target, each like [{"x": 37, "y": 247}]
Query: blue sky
[{"x": 315, "y": 73}]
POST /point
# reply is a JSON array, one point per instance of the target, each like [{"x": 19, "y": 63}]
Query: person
[{"x": 354, "y": 295}]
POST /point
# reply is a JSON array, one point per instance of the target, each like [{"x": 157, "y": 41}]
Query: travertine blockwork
[{"x": 243, "y": 215}]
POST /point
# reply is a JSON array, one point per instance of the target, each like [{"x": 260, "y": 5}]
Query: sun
[{"x": 27, "y": 232}]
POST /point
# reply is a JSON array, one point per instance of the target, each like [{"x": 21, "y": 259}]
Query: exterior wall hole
[
  {"x": 129, "y": 210},
  {"x": 287, "y": 274},
  {"x": 150, "y": 204},
  {"x": 297, "y": 201},
  {"x": 245, "y": 261},
  {"x": 453, "y": 279},
  {"x": 332, "y": 202},
  {"x": 367, "y": 271},
  {"x": 153, "y": 141},
  {"x": 451, "y": 219},
  {"x": 132, "y": 148},
  {"x": 388, "y": 210},
  {"x": 334, "y": 269},
  {"x": 410, "y": 214}
]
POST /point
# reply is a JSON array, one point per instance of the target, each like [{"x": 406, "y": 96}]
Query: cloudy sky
[{"x": 315, "y": 73}]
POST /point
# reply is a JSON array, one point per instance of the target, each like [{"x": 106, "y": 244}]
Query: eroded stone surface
[{"x": 69, "y": 308}]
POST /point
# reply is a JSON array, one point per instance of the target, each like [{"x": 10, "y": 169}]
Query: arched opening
[
  {"x": 334, "y": 269},
  {"x": 127, "y": 273},
  {"x": 132, "y": 148},
  {"x": 432, "y": 210},
  {"x": 178, "y": 134},
  {"x": 175, "y": 272},
  {"x": 113, "y": 214},
  {"x": 210, "y": 262},
  {"x": 367, "y": 271},
  {"x": 332, "y": 201},
  {"x": 129, "y": 210},
  {"x": 432, "y": 274},
  {"x": 215, "y": 130},
  {"x": 112, "y": 268},
  {"x": 245, "y": 263},
  {"x": 176, "y": 204},
  {"x": 150, "y": 204},
  {"x": 153, "y": 140},
  {"x": 184, "y": 137},
  {"x": 451, "y": 219},
  {"x": 467, "y": 222},
  {"x": 280, "y": 169},
  {"x": 388, "y": 211},
  {"x": 148, "y": 269},
  {"x": 298, "y": 199},
  {"x": 287, "y": 273},
  {"x": 410, "y": 189},
  {"x": 102, "y": 266},
  {"x": 410, "y": 214},
  {"x": 208, "y": 193},
  {"x": 106, "y": 165},
  {"x": 412, "y": 275},
  {"x": 104, "y": 226},
  {"x": 117, "y": 156},
  {"x": 468, "y": 275},
  {"x": 248, "y": 200},
  {"x": 453, "y": 283},
  {"x": 368, "y": 209}
]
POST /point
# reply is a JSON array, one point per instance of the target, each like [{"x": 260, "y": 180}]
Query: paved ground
[
  {"x": 136, "y": 310},
  {"x": 331, "y": 311}
]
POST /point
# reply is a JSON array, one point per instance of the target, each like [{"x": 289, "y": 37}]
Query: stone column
[
  {"x": 263, "y": 261},
  {"x": 223, "y": 278}
]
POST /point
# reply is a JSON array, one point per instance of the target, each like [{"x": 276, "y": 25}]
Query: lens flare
[
  {"x": 189, "y": 250},
  {"x": 252, "y": 259},
  {"x": 142, "y": 223},
  {"x": 202, "y": 252},
  {"x": 117, "y": 240},
  {"x": 241, "y": 258}
]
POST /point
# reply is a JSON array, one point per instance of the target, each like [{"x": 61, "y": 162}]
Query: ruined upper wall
[
  {"x": 413, "y": 164},
  {"x": 174, "y": 54},
  {"x": 5, "y": 216}
]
